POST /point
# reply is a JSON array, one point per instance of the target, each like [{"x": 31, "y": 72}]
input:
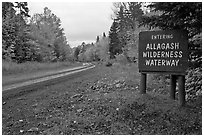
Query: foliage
[
  {"x": 122, "y": 59},
  {"x": 23, "y": 9},
  {"x": 97, "y": 39},
  {"x": 115, "y": 46},
  {"x": 184, "y": 16},
  {"x": 14, "y": 31},
  {"x": 103, "y": 48},
  {"x": 104, "y": 34},
  {"x": 194, "y": 83},
  {"x": 85, "y": 53},
  {"x": 76, "y": 53},
  {"x": 176, "y": 15},
  {"x": 98, "y": 51},
  {"x": 13, "y": 68},
  {"x": 39, "y": 39},
  {"x": 47, "y": 32},
  {"x": 127, "y": 16}
]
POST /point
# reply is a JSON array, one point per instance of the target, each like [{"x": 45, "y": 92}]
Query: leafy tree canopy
[{"x": 176, "y": 15}]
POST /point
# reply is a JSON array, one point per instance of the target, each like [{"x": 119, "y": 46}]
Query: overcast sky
[{"x": 82, "y": 22}]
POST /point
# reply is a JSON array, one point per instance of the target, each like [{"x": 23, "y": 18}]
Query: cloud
[
  {"x": 79, "y": 42},
  {"x": 81, "y": 21}
]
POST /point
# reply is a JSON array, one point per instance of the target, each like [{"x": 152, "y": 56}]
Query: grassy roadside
[
  {"x": 13, "y": 72},
  {"x": 9, "y": 68},
  {"x": 104, "y": 100}
]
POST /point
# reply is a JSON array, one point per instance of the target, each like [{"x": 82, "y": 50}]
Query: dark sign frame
[{"x": 163, "y": 52}]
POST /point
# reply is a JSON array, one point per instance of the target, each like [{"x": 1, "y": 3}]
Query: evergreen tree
[
  {"x": 8, "y": 30},
  {"x": 104, "y": 35},
  {"x": 114, "y": 47},
  {"x": 22, "y": 8},
  {"x": 14, "y": 32},
  {"x": 122, "y": 26},
  {"x": 76, "y": 53},
  {"x": 133, "y": 14},
  {"x": 176, "y": 15},
  {"x": 97, "y": 39},
  {"x": 127, "y": 15}
]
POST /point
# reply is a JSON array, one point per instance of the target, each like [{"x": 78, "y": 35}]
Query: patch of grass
[
  {"x": 159, "y": 83},
  {"x": 9, "y": 68},
  {"x": 13, "y": 72}
]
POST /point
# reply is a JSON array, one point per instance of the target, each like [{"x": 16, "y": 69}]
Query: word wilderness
[{"x": 164, "y": 51}]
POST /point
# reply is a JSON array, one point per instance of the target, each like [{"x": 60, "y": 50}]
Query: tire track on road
[{"x": 11, "y": 90}]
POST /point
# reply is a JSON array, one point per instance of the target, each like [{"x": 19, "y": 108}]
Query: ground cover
[{"x": 12, "y": 72}]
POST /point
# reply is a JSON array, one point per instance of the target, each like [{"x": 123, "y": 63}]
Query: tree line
[
  {"x": 38, "y": 38},
  {"x": 97, "y": 51},
  {"x": 41, "y": 37}
]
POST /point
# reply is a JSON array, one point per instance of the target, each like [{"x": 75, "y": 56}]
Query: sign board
[{"x": 163, "y": 51}]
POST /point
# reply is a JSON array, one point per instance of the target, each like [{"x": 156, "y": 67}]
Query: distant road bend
[{"x": 44, "y": 80}]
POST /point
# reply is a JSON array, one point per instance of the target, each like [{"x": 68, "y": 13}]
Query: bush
[
  {"x": 193, "y": 83},
  {"x": 122, "y": 59},
  {"x": 109, "y": 62},
  {"x": 159, "y": 83}
]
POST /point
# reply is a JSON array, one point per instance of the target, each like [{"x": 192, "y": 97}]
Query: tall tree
[
  {"x": 176, "y": 15},
  {"x": 122, "y": 26},
  {"x": 104, "y": 34},
  {"x": 8, "y": 30},
  {"x": 127, "y": 15},
  {"x": 115, "y": 47},
  {"x": 97, "y": 39},
  {"x": 47, "y": 31},
  {"x": 133, "y": 13},
  {"x": 22, "y": 8},
  {"x": 76, "y": 53},
  {"x": 15, "y": 29}
]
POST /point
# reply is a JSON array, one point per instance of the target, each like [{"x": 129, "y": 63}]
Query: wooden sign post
[{"x": 164, "y": 52}]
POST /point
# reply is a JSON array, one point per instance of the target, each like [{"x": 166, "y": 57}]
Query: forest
[
  {"x": 110, "y": 95},
  {"x": 41, "y": 38}
]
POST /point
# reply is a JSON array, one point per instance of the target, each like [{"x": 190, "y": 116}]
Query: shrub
[
  {"x": 158, "y": 83},
  {"x": 122, "y": 59},
  {"x": 193, "y": 83},
  {"x": 108, "y": 64}
]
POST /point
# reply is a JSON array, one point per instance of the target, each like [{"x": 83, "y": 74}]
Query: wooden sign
[{"x": 163, "y": 51}]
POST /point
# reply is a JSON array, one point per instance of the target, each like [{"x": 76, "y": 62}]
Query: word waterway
[{"x": 161, "y": 62}]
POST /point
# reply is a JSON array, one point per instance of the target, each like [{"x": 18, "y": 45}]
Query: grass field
[
  {"x": 102, "y": 101},
  {"x": 13, "y": 72},
  {"x": 9, "y": 68}
]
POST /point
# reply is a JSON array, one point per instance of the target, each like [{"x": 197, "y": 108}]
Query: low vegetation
[{"x": 12, "y": 68}]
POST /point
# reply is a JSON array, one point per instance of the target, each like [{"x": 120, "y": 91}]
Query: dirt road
[{"x": 19, "y": 87}]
